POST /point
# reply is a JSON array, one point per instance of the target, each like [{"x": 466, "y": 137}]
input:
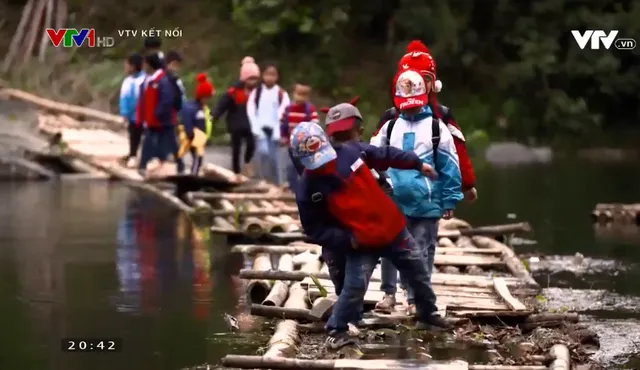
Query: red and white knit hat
[{"x": 419, "y": 58}]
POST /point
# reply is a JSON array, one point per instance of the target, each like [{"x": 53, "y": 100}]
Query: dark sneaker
[
  {"x": 433, "y": 321},
  {"x": 386, "y": 304},
  {"x": 338, "y": 340}
]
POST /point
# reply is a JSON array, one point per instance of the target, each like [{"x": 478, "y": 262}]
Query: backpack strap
[
  {"x": 307, "y": 112},
  {"x": 390, "y": 130},
  {"x": 258, "y": 93},
  {"x": 280, "y": 95},
  {"x": 435, "y": 138}
]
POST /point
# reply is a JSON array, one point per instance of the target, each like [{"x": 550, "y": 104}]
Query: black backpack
[
  {"x": 435, "y": 135},
  {"x": 177, "y": 92}
]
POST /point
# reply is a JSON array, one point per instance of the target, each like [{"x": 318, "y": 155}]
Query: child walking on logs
[
  {"x": 156, "y": 114},
  {"x": 422, "y": 201},
  {"x": 265, "y": 107},
  {"x": 300, "y": 110},
  {"x": 193, "y": 131},
  {"x": 342, "y": 207},
  {"x": 234, "y": 103},
  {"x": 129, "y": 94}
]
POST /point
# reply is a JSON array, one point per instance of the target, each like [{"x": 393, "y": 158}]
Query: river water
[{"x": 97, "y": 260}]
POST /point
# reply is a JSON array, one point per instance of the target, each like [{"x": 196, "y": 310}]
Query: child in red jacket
[{"x": 342, "y": 208}]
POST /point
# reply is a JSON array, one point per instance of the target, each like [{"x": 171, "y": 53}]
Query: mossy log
[
  {"x": 562, "y": 357},
  {"x": 280, "y": 289},
  {"x": 284, "y": 341},
  {"x": 258, "y": 289}
]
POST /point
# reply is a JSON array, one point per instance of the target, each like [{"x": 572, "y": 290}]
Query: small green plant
[{"x": 321, "y": 288}]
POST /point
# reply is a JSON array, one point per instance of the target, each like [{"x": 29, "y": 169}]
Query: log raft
[
  {"x": 475, "y": 278},
  {"x": 97, "y": 141},
  {"x": 616, "y": 213}
]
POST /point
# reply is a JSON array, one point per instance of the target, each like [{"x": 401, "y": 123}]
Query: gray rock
[{"x": 512, "y": 153}]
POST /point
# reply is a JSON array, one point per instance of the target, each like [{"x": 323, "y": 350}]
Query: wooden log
[
  {"x": 274, "y": 312},
  {"x": 244, "y": 196},
  {"x": 285, "y": 339},
  {"x": 32, "y": 36},
  {"x": 454, "y": 224},
  {"x": 322, "y": 307},
  {"x": 221, "y": 223},
  {"x": 562, "y": 357},
  {"x": 312, "y": 266},
  {"x": 258, "y": 289},
  {"x": 48, "y": 23},
  {"x": 501, "y": 288},
  {"x": 280, "y": 289},
  {"x": 572, "y": 317},
  {"x": 214, "y": 171},
  {"x": 513, "y": 263},
  {"x": 495, "y": 230},
  {"x": 263, "y": 362},
  {"x": 257, "y": 212},
  {"x": 72, "y": 110},
  {"x": 507, "y": 367},
  {"x": 276, "y": 249}
]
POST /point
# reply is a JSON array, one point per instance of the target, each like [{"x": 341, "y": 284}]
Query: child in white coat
[{"x": 265, "y": 107}]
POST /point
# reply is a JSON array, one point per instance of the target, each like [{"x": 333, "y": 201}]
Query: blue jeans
[
  {"x": 269, "y": 161},
  {"x": 425, "y": 232},
  {"x": 336, "y": 262},
  {"x": 403, "y": 252}
]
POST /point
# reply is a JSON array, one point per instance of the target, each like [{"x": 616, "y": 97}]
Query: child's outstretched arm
[{"x": 384, "y": 157}]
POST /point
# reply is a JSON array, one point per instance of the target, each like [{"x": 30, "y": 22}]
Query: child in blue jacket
[
  {"x": 422, "y": 201},
  {"x": 129, "y": 94},
  {"x": 194, "y": 120},
  {"x": 342, "y": 208}
]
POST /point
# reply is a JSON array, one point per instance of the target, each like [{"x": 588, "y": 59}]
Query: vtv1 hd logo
[
  {"x": 599, "y": 36},
  {"x": 70, "y": 37}
]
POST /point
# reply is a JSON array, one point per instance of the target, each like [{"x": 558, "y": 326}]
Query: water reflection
[{"x": 161, "y": 261}]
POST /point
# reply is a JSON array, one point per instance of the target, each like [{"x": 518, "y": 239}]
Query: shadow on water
[{"x": 96, "y": 261}]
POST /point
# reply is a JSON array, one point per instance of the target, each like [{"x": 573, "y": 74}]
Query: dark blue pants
[
  {"x": 160, "y": 144},
  {"x": 405, "y": 255}
]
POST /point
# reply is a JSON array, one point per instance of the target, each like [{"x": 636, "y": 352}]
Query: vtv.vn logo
[{"x": 598, "y": 36}]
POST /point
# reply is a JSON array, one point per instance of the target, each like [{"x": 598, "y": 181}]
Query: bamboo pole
[
  {"x": 244, "y": 196},
  {"x": 276, "y": 249},
  {"x": 493, "y": 230},
  {"x": 33, "y": 31},
  {"x": 61, "y": 13},
  {"x": 286, "y": 313},
  {"x": 214, "y": 171},
  {"x": 509, "y": 257},
  {"x": 48, "y": 23},
  {"x": 284, "y": 341},
  {"x": 280, "y": 289},
  {"x": 72, "y": 110},
  {"x": 18, "y": 36},
  {"x": 258, "y": 289},
  {"x": 562, "y": 357}
]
